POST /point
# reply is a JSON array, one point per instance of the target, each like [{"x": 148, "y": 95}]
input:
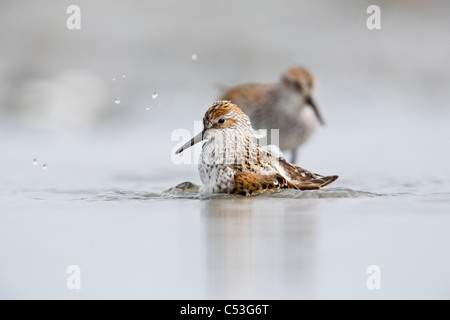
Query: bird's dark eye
[
  {"x": 297, "y": 85},
  {"x": 221, "y": 121}
]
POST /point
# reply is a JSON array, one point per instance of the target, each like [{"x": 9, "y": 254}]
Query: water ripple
[{"x": 188, "y": 190}]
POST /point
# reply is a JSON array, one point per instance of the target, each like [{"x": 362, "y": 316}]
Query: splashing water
[{"x": 189, "y": 190}]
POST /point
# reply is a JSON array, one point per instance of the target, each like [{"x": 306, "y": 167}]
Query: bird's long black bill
[
  {"x": 194, "y": 140},
  {"x": 313, "y": 105}
]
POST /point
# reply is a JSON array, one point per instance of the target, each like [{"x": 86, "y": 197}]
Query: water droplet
[
  {"x": 259, "y": 134},
  {"x": 113, "y": 79},
  {"x": 35, "y": 162},
  {"x": 44, "y": 167},
  {"x": 117, "y": 101},
  {"x": 154, "y": 95},
  {"x": 194, "y": 57},
  {"x": 148, "y": 108},
  {"x": 124, "y": 76}
]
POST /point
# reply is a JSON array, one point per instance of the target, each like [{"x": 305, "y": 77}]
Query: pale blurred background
[{"x": 385, "y": 96}]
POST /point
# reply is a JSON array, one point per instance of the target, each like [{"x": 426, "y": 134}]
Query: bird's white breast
[{"x": 214, "y": 169}]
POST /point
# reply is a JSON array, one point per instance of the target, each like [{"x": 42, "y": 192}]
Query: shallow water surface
[{"x": 131, "y": 243}]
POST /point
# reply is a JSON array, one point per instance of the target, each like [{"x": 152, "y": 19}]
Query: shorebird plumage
[{"x": 232, "y": 162}]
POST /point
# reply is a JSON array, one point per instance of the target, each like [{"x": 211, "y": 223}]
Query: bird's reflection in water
[{"x": 259, "y": 248}]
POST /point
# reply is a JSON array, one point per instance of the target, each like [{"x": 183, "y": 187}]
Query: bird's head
[
  {"x": 300, "y": 81},
  {"x": 222, "y": 119}
]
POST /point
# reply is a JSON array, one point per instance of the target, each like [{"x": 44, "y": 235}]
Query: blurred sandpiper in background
[
  {"x": 287, "y": 106},
  {"x": 86, "y": 124}
]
